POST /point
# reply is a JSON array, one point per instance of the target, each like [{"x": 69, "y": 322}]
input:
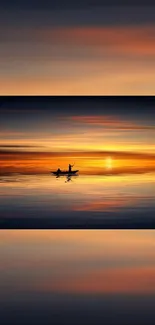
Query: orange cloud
[
  {"x": 110, "y": 122},
  {"x": 116, "y": 280},
  {"x": 108, "y": 205},
  {"x": 86, "y": 60},
  {"x": 137, "y": 41}
]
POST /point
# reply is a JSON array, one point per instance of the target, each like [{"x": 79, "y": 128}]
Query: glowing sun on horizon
[{"x": 108, "y": 163}]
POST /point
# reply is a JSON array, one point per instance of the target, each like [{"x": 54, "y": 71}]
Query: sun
[{"x": 108, "y": 163}]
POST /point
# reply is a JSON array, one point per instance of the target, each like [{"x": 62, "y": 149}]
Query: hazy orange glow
[
  {"x": 112, "y": 122},
  {"x": 108, "y": 205},
  {"x": 125, "y": 79},
  {"x": 97, "y": 143},
  {"x": 122, "y": 280},
  {"x": 130, "y": 40},
  {"x": 88, "y": 60},
  {"x": 86, "y": 162},
  {"x": 82, "y": 261}
]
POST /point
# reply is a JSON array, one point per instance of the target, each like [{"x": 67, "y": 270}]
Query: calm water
[
  {"x": 45, "y": 201},
  {"x": 81, "y": 277}
]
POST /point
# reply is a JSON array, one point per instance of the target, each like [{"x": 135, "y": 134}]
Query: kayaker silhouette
[
  {"x": 58, "y": 170},
  {"x": 70, "y": 168}
]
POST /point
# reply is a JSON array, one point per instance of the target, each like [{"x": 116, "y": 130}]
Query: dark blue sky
[
  {"x": 129, "y": 106},
  {"x": 34, "y": 4},
  {"x": 79, "y": 13}
]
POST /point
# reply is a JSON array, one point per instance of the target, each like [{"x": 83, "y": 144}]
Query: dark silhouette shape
[
  {"x": 70, "y": 168},
  {"x": 65, "y": 172},
  {"x": 68, "y": 178},
  {"x": 61, "y": 173}
]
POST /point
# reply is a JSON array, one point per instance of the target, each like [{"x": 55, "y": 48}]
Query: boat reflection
[{"x": 68, "y": 177}]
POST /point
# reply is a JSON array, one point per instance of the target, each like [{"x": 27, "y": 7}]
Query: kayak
[{"x": 73, "y": 172}]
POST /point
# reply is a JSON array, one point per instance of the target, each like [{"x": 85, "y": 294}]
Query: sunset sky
[
  {"x": 99, "y": 134},
  {"x": 86, "y": 276},
  {"x": 77, "y": 47}
]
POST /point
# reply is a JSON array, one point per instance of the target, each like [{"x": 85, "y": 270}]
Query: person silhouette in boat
[
  {"x": 58, "y": 171},
  {"x": 70, "y": 168}
]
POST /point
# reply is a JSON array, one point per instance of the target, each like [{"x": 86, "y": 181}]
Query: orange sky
[
  {"x": 99, "y": 135},
  {"x": 89, "y": 163},
  {"x": 79, "y": 60}
]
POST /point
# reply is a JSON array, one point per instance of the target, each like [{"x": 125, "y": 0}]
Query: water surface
[
  {"x": 44, "y": 201},
  {"x": 81, "y": 277}
]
